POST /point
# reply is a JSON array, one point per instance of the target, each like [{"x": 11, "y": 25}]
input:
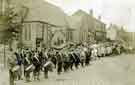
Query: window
[
  {"x": 27, "y": 31},
  {"x": 71, "y": 35},
  {"x": 68, "y": 35},
  {"x": 30, "y": 26}
]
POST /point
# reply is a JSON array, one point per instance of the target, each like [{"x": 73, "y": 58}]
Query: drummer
[
  {"x": 27, "y": 69},
  {"x": 11, "y": 65},
  {"x": 37, "y": 63},
  {"x": 44, "y": 61}
]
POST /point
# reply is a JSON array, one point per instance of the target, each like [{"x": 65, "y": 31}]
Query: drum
[
  {"x": 49, "y": 65},
  {"x": 30, "y": 68},
  {"x": 15, "y": 68}
]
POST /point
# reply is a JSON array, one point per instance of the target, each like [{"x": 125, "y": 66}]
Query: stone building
[
  {"x": 112, "y": 32},
  {"x": 74, "y": 26},
  {"x": 119, "y": 34},
  {"x": 97, "y": 27},
  {"x": 89, "y": 27},
  {"x": 46, "y": 25},
  {"x": 41, "y": 22},
  {"x": 131, "y": 42},
  {"x": 80, "y": 21},
  {"x": 116, "y": 33}
]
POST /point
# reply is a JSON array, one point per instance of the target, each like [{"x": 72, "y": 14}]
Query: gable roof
[
  {"x": 75, "y": 20},
  {"x": 79, "y": 15},
  {"x": 73, "y": 23},
  {"x": 40, "y": 10}
]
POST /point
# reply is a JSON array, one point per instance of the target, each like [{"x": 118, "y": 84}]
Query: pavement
[{"x": 114, "y": 70}]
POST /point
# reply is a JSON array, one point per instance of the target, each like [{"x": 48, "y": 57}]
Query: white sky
[{"x": 121, "y": 12}]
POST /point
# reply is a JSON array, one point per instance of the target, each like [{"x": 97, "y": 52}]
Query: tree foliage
[{"x": 12, "y": 23}]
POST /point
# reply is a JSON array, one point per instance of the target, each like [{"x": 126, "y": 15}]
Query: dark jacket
[
  {"x": 19, "y": 59},
  {"x": 59, "y": 58}
]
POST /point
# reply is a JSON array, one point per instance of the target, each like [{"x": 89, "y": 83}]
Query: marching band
[{"x": 26, "y": 61}]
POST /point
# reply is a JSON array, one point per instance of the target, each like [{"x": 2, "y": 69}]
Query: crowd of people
[{"x": 24, "y": 62}]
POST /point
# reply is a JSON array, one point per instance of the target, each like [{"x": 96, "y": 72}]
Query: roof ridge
[
  {"x": 79, "y": 11},
  {"x": 52, "y": 4}
]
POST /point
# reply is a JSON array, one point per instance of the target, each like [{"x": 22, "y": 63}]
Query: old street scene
[{"x": 67, "y": 42}]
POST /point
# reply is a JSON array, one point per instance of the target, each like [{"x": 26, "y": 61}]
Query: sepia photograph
[{"x": 67, "y": 42}]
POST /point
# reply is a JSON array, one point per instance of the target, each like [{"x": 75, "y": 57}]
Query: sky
[{"x": 120, "y": 12}]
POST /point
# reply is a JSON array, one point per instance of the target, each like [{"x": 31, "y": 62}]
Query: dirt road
[{"x": 116, "y": 70}]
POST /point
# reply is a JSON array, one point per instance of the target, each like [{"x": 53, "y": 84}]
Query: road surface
[{"x": 115, "y": 70}]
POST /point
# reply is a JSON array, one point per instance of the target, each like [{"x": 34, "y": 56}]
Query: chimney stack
[
  {"x": 99, "y": 17},
  {"x": 91, "y": 12}
]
